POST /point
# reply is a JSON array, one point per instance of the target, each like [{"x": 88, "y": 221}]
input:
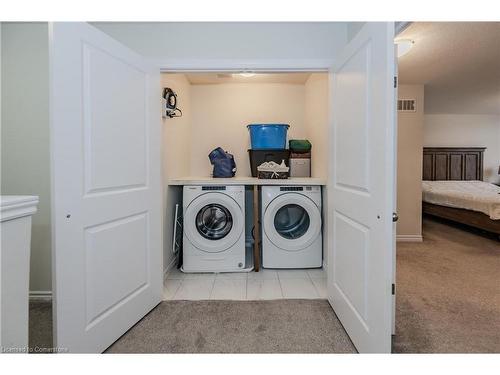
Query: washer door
[
  {"x": 292, "y": 222},
  {"x": 213, "y": 222}
]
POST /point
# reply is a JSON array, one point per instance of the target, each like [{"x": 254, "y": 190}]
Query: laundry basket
[{"x": 257, "y": 157}]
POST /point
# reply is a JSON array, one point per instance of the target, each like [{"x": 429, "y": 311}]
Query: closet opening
[{"x": 284, "y": 252}]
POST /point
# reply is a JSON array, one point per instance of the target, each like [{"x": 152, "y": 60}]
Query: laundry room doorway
[{"x": 216, "y": 109}]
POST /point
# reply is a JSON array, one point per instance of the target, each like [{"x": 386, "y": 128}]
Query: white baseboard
[
  {"x": 169, "y": 267},
  {"x": 40, "y": 295},
  {"x": 409, "y": 238}
]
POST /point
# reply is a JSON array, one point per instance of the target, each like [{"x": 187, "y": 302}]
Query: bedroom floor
[
  {"x": 448, "y": 292},
  {"x": 448, "y": 301}
]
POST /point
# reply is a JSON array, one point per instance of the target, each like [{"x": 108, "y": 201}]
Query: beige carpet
[
  {"x": 40, "y": 326},
  {"x": 280, "y": 326},
  {"x": 448, "y": 292},
  {"x": 448, "y": 300}
]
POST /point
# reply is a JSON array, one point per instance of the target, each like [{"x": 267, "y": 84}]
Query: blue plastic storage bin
[{"x": 266, "y": 136}]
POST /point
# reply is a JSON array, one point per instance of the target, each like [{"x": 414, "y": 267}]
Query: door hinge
[
  {"x": 395, "y": 81},
  {"x": 393, "y": 289}
]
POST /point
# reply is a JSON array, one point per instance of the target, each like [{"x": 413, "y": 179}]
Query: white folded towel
[{"x": 271, "y": 166}]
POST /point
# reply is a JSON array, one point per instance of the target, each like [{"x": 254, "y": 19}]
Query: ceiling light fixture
[
  {"x": 247, "y": 74},
  {"x": 404, "y": 46}
]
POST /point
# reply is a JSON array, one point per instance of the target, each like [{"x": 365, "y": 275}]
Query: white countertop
[{"x": 246, "y": 181}]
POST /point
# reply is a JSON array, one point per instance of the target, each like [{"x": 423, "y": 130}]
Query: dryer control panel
[{"x": 299, "y": 188}]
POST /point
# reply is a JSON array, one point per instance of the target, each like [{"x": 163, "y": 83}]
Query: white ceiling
[
  {"x": 215, "y": 78},
  {"x": 459, "y": 64}
]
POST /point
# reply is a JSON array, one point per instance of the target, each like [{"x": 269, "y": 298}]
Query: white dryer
[
  {"x": 214, "y": 225},
  {"x": 291, "y": 222}
]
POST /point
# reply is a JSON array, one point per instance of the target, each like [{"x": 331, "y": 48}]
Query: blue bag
[{"x": 223, "y": 162}]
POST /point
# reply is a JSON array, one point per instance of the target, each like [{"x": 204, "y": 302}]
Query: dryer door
[
  {"x": 292, "y": 221},
  {"x": 213, "y": 222}
]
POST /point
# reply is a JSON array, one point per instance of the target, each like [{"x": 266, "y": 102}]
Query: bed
[{"x": 452, "y": 188}]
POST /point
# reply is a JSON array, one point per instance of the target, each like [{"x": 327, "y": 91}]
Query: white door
[
  {"x": 105, "y": 142},
  {"x": 360, "y": 191}
]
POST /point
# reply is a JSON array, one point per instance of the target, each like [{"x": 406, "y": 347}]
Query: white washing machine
[
  {"x": 214, "y": 226},
  {"x": 291, "y": 222}
]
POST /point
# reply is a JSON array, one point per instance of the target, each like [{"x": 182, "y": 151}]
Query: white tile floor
[{"x": 262, "y": 285}]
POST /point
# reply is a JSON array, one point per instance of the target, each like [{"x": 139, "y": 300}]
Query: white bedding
[{"x": 471, "y": 195}]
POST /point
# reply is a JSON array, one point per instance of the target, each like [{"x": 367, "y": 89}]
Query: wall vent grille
[{"x": 407, "y": 105}]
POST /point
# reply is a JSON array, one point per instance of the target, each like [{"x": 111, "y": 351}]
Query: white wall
[
  {"x": 467, "y": 130},
  {"x": 220, "y": 113},
  {"x": 231, "y": 40},
  {"x": 316, "y": 121},
  {"x": 25, "y": 151},
  {"x": 409, "y": 170}
]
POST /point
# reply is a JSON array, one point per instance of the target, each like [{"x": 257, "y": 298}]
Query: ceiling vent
[{"x": 407, "y": 105}]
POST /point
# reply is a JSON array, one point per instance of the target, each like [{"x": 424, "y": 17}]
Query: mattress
[{"x": 470, "y": 195}]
